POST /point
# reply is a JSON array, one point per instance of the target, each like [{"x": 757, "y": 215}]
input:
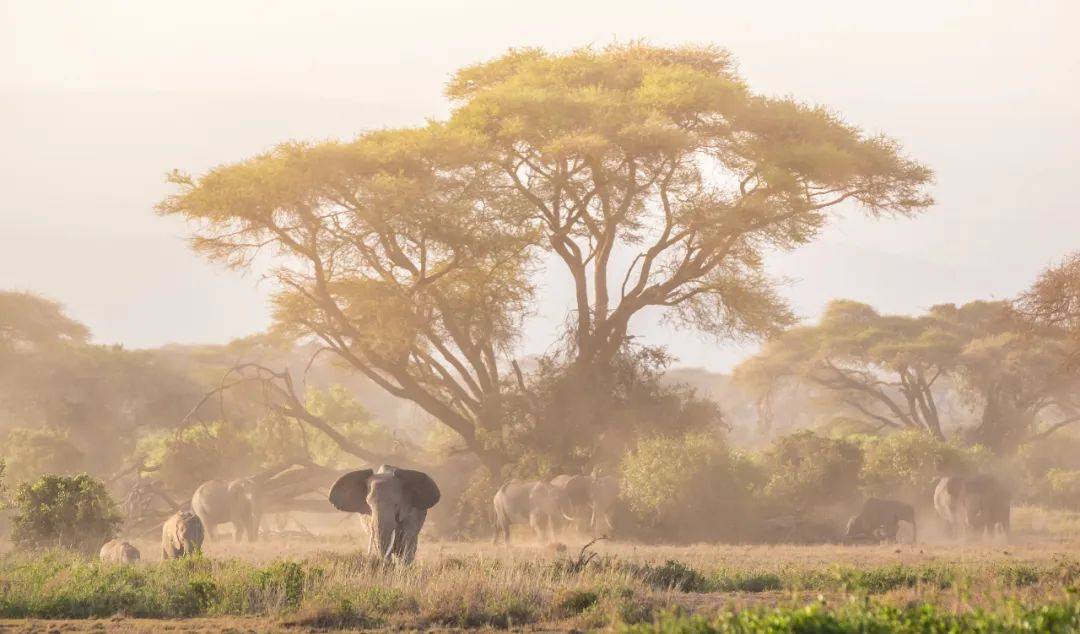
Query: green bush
[
  {"x": 63, "y": 511},
  {"x": 906, "y": 465},
  {"x": 687, "y": 488},
  {"x": 858, "y": 618},
  {"x": 1060, "y": 488},
  {"x": 186, "y": 458},
  {"x": 806, "y": 471}
]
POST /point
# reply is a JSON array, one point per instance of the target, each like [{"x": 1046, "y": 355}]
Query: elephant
[
  {"x": 181, "y": 535},
  {"x": 118, "y": 552},
  {"x": 880, "y": 518},
  {"x": 988, "y": 506},
  {"x": 972, "y": 505},
  {"x": 217, "y": 502},
  {"x": 589, "y": 501},
  {"x": 397, "y": 501},
  {"x": 605, "y": 493},
  {"x": 577, "y": 498},
  {"x": 538, "y": 503}
]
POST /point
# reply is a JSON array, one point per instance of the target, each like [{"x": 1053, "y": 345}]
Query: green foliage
[
  {"x": 345, "y": 591},
  {"x": 687, "y": 487},
  {"x": 29, "y": 453},
  {"x": 63, "y": 511},
  {"x": 279, "y": 440},
  {"x": 186, "y": 458},
  {"x": 908, "y": 464},
  {"x": 1061, "y": 488},
  {"x": 1063, "y": 616},
  {"x": 806, "y": 470}
]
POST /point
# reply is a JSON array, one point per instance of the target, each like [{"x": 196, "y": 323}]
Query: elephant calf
[
  {"x": 880, "y": 518},
  {"x": 538, "y": 503},
  {"x": 181, "y": 535},
  {"x": 118, "y": 552}
]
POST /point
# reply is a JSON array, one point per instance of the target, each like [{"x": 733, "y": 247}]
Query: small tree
[
  {"x": 807, "y": 471},
  {"x": 66, "y": 511},
  {"x": 687, "y": 487},
  {"x": 906, "y": 465}
]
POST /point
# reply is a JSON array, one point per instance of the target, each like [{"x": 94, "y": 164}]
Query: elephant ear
[
  {"x": 421, "y": 489},
  {"x": 350, "y": 491}
]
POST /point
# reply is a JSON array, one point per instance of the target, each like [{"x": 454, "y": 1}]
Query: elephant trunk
[{"x": 385, "y": 533}]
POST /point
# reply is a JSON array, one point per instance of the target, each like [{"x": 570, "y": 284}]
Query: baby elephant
[
  {"x": 880, "y": 519},
  {"x": 118, "y": 552},
  {"x": 181, "y": 535}
]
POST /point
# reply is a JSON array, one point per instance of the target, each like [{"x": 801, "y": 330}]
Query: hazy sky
[{"x": 99, "y": 99}]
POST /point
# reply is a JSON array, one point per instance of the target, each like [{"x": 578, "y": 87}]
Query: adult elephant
[
  {"x": 397, "y": 501},
  {"x": 589, "y": 501},
  {"x": 973, "y": 505},
  {"x": 539, "y": 504},
  {"x": 988, "y": 505},
  {"x": 880, "y": 519},
  {"x": 605, "y": 494},
  {"x": 576, "y": 495},
  {"x": 236, "y": 502}
]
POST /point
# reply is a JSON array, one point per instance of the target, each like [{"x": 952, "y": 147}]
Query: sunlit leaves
[{"x": 667, "y": 152}]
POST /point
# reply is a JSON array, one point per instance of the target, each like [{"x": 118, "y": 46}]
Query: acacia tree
[
  {"x": 659, "y": 180},
  {"x": 397, "y": 254},
  {"x": 1054, "y": 298},
  {"x": 882, "y": 367},
  {"x": 408, "y": 253},
  {"x": 886, "y": 368}
]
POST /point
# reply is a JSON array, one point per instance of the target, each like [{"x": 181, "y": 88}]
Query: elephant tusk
[{"x": 390, "y": 548}]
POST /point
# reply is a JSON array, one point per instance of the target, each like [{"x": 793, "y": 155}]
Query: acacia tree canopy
[
  {"x": 659, "y": 179},
  {"x": 397, "y": 253},
  {"x": 885, "y": 368},
  {"x": 409, "y": 253}
]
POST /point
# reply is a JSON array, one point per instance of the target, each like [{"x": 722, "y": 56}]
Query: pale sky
[{"x": 99, "y": 99}]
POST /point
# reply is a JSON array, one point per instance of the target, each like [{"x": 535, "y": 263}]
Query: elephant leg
[
  {"x": 534, "y": 521},
  {"x": 500, "y": 528},
  {"x": 891, "y": 530}
]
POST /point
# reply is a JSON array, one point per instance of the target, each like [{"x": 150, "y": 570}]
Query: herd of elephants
[{"x": 397, "y": 501}]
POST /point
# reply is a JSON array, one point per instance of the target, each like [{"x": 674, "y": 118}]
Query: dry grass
[{"x": 327, "y": 583}]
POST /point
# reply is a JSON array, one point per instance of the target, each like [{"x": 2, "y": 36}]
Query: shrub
[
  {"x": 69, "y": 512},
  {"x": 1060, "y": 488},
  {"x": 686, "y": 488},
  {"x": 806, "y": 471},
  {"x": 906, "y": 465},
  {"x": 186, "y": 458}
]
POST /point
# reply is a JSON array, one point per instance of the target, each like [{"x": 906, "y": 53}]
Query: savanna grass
[{"x": 349, "y": 590}]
